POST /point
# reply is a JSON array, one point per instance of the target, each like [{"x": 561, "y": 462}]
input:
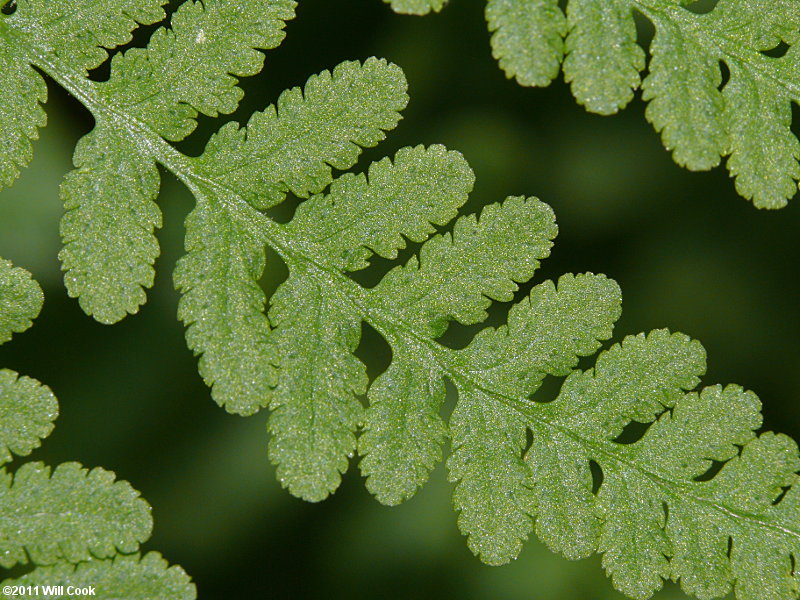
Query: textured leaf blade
[
  {"x": 416, "y": 7},
  {"x": 21, "y": 113},
  {"x": 633, "y": 381},
  {"x": 79, "y": 31},
  {"x": 223, "y": 306},
  {"x": 657, "y": 520},
  {"x": 21, "y": 300},
  {"x": 761, "y": 24},
  {"x": 602, "y": 61},
  {"x": 315, "y": 409},
  {"x": 493, "y": 492},
  {"x": 395, "y": 200},
  {"x": 107, "y": 230},
  {"x": 192, "y": 67},
  {"x": 292, "y": 146},
  {"x": 27, "y": 412},
  {"x": 458, "y": 274},
  {"x": 72, "y": 514},
  {"x": 685, "y": 104},
  {"x": 545, "y": 334},
  {"x": 498, "y": 492},
  {"x": 403, "y": 432},
  {"x": 134, "y": 577},
  {"x": 756, "y": 111},
  {"x": 566, "y": 518},
  {"x": 527, "y": 39}
]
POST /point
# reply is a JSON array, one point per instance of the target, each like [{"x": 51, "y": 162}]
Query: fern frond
[
  {"x": 21, "y": 114},
  {"x": 68, "y": 514},
  {"x": 77, "y": 33},
  {"x": 650, "y": 516},
  {"x": 185, "y": 70},
  {"x": 191, "y": 67},
  {"x": 132, "y": 577},
  {"x": 223, "y": 305},
  {"x": 66, "y": 517},
  {"x": 293, "y": 145},
  {"x": 700, "y": 117}
]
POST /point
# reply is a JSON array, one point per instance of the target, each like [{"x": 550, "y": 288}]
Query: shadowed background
[{"x": 688, "y": 252}]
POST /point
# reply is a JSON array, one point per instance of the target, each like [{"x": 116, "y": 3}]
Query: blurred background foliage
[{"x": 688, "y": 252}]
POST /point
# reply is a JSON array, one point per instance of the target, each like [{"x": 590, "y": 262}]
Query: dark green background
[{"x": 688, "y": 252}]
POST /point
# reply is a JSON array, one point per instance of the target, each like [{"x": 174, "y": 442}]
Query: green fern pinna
[
  {"x": 79, "y": 527},
  {"x": 657, "y": 514},
  {"x": 719, "y": 84}
]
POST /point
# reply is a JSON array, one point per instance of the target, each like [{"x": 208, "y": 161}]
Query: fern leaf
[
  {"x": 190, "y": 68},
  {"x": 403, "y": 431},
  {"x": 292, "y": 146},
  {"x": 681, "y": 69},
  {"x": 223, "y": 305},
  {"x": 748, "y": 120},
  {"x": 108, "y": 227},
  {"x": 527, "y": 39},
  {"x": 79, "y": 32},
  {"x": 27, "y": 412},
  {"x": 602, "y": 60},
  {"x": 416, "y": 7},
  {"x": 545, "y": 335},
  {"x": 316, "y": 410},
  {"x": 316, "y": 407},
  {"x": 373, "y": 213},
  {"x": 70, "y": 514},
  {"x": 21, "y": 114},
  {"x": 20, "y": 300},
  {"x": 133, "y": 577},
  {"x": 656, "y": 511},
  {"x": 457, "y": 275}
]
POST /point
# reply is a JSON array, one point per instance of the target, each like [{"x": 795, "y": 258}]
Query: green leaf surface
[
  {"x": 395, "y": 200},
  {"x": 21, "y": 300},
  {"x": 71, "y": 514},
  {"x": 457, "y": 275},
  {"x": 223, "y": 305},
  {"x": 191, "y": 67},
  {"x": 315, "y": 406},
  {"x": 685, "y": 103},
  {"x": 602, "y": 61},
  {"x": 493, "y": 494},
  {"x": 292, "y": 146},
  {"x": 545, "y": 335},
  {"x": 702, "y": 115},
  {"x": 566, "y": 469},
  {"x": 416, "y": 7},
  {"x": 107, "y": 230},
  {"x": 27, "y": 412},
  {"x": 403, "y": 431},
  {"x": 78, "y": 31},
  {"x": 21, "y": 114},
  {"x": 527, "y": 39},
  {"x": 133, "y": 577}
]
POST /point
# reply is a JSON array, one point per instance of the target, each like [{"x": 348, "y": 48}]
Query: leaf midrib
[{"x": 261, "y": 226}]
